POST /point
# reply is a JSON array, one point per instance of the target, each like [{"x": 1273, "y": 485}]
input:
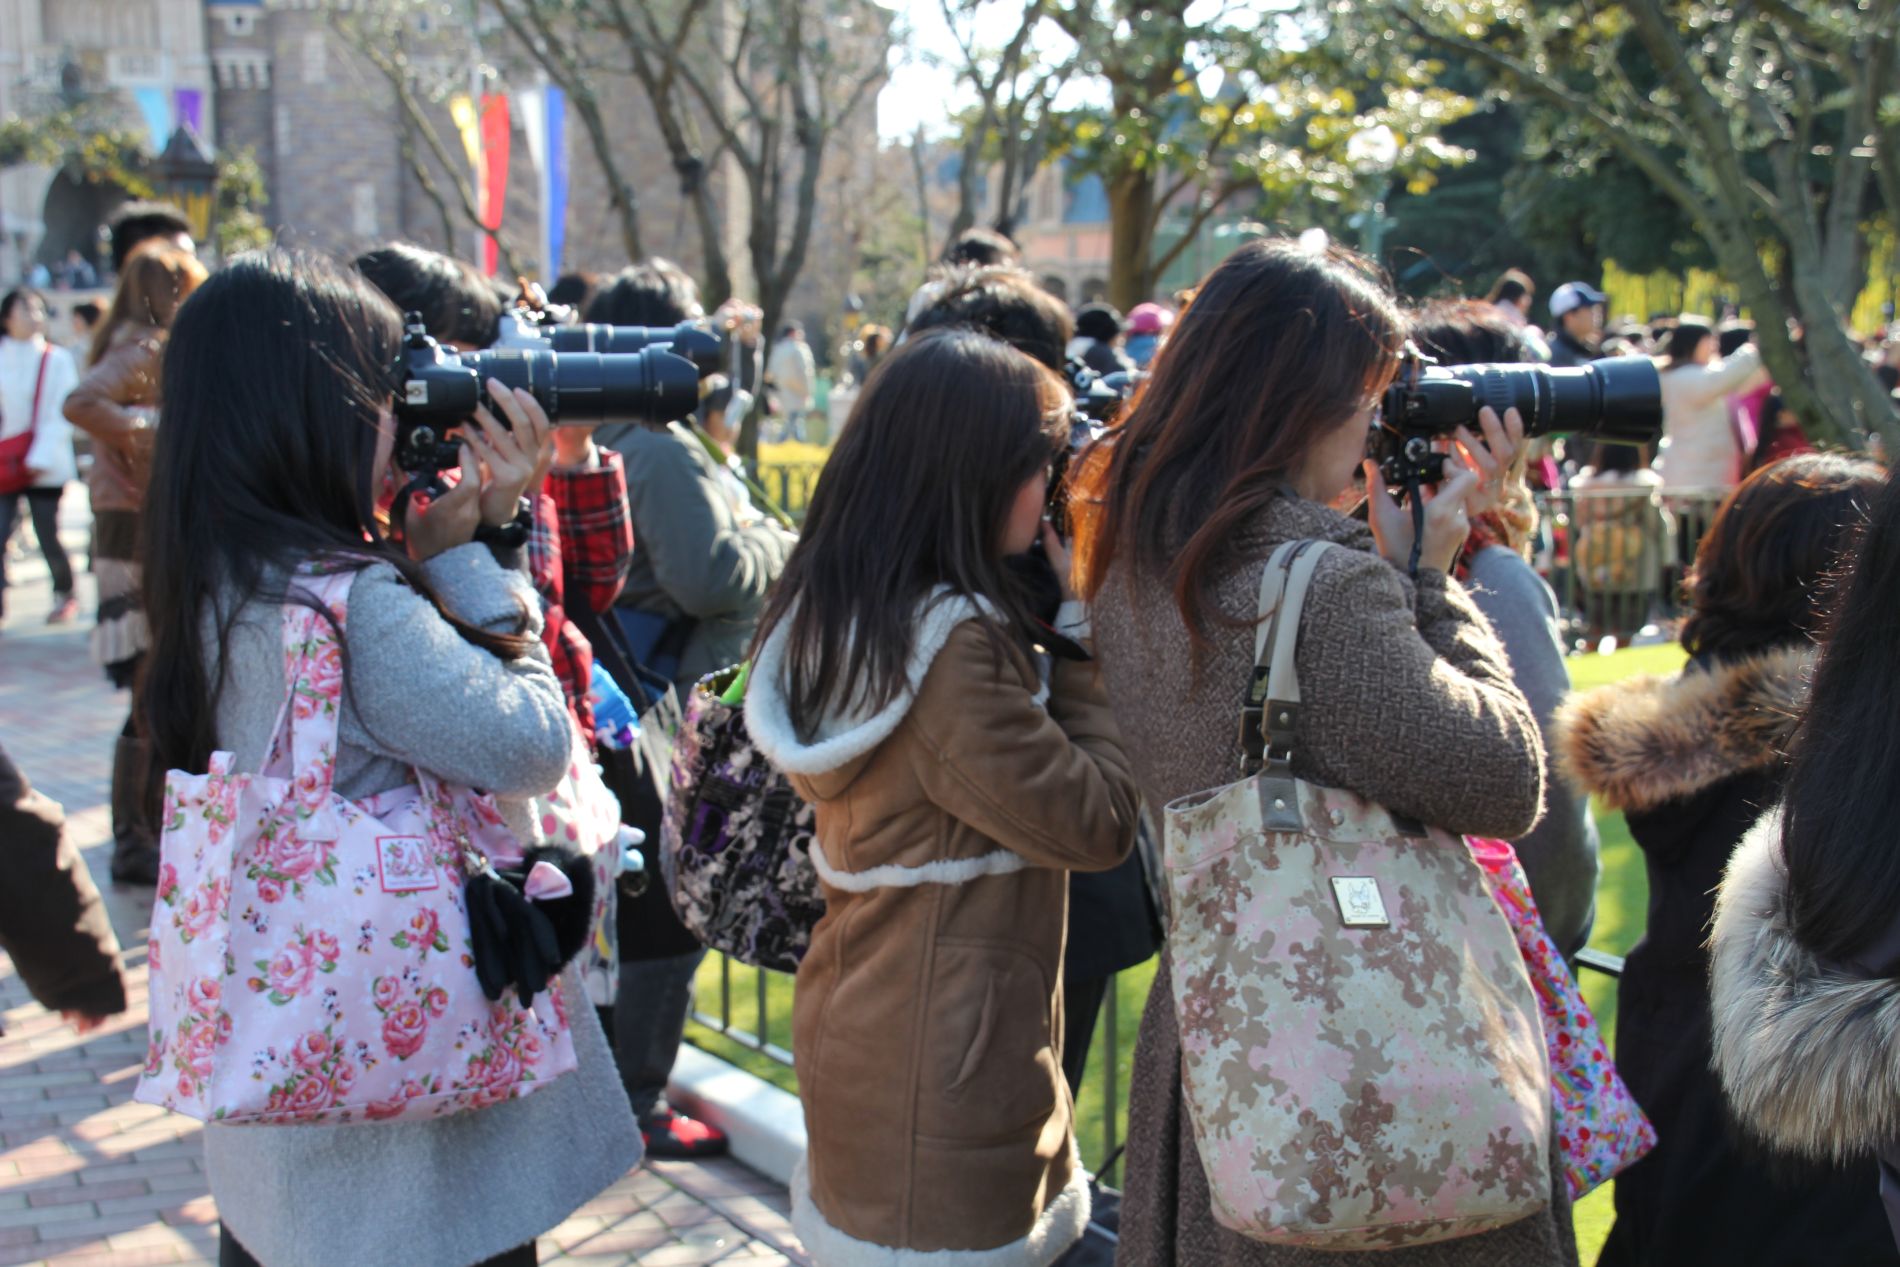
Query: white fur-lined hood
[
  {"x": 844, "y": 737},
  {"x": 1808, "y": 1054}
]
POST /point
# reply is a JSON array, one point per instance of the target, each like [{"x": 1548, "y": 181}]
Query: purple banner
[{"x": 190, "y": 104}]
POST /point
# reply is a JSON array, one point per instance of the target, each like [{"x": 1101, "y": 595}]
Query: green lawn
[{"x": 1622, "y": 895}]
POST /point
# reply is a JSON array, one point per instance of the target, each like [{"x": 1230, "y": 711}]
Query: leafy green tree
[{"x": 1772, "y": 126}]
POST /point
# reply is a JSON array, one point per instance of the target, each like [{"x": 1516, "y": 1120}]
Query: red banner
[{"x": 494, "y": 191}]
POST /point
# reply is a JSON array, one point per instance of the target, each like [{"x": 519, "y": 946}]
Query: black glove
[{"x": 526, "y": 943}]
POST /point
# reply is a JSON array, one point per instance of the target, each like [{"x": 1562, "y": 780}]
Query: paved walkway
[{"x": 89, "y": 1178}]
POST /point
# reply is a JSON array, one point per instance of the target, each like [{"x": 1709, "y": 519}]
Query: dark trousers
[
  {"x": 232, "y": 1254},
  {"x": 43, "y": 505},
  {"x": 649, "y": 1024}
]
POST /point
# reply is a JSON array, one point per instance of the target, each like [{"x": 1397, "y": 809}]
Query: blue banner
[
  {"x": 156, "y": 105},
  {"x": 556, "y": 177}
]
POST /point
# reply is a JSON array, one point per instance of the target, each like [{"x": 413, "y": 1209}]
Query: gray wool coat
[
  {"x": 1409, "y": 702},
  {"x": 694, "y": 556},
  {"x": 449, "y": 1191}
]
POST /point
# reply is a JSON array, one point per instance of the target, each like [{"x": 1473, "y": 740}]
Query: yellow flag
[{"x": 468, "y": 121}]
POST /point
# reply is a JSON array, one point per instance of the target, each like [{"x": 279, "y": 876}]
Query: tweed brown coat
[{"x": 1408, "y": 702}]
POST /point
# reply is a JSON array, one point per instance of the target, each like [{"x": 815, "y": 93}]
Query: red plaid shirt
[
  {"x": 582, "y": 537},
  {"x": 568, "y": 649},
  {"x": 596, "y": 530}
]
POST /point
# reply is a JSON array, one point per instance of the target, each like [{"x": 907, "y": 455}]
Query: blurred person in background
[
  {"x": 136, "y": 223},
  {"x": 1577, "y": 308},
  {"x": 1700, "y": 448},
  {"x": 1693, "y": 761},
  {"x": 1782, "y": 435},
  {"x": 117, "y": 404},
  {"x": 1098, "y": 339},
  {"x": 35, "y": 378},
  {"x": 1148, "y": 325},
  {"x": 791, "y": 378},
  {"x": 1623, "y": 538},
  {"x": 85, "y": 318}
]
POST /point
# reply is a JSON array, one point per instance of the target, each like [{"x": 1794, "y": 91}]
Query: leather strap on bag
[{"x": 1270, "y": 713}]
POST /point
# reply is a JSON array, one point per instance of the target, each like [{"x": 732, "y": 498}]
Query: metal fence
[{"x": 1616, "y": 554}]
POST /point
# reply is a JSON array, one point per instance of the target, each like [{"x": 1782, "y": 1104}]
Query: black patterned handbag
[{"x": 736, "y": 847}]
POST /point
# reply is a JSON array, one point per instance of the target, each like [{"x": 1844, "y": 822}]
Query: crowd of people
[{"x": 1004, "y": 638}]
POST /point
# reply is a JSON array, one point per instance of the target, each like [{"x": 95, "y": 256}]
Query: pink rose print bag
[
  {"x": 1361, "y": 1054},
  {"x": 1601, "y": 1129},
  {"x": 310, "y": 955}
]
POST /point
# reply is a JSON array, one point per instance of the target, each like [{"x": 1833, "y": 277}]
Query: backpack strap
[{"x": 1270, "y": 714}]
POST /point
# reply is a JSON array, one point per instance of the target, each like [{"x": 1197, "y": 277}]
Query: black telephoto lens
[
  {"x": 653, "y": 385},
  {"x": 698, "y": 345}
]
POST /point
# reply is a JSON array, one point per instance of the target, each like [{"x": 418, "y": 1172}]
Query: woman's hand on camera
[
  {"x": 514, "y": 456},
  {"x": 1447, "y": 520},
  {"x": 1497, "y": 459},
  {"x": 444, "y": 522}
]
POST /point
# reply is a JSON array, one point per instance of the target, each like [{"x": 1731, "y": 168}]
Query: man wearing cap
[{"x": 1578, "y": 309}]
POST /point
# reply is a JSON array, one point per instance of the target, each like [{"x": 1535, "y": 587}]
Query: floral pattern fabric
[
  {"x": 1362, "y": 1062},
  {"x": 1601, "y": 1130},
  {"x": 310, "y": 956},
  {"x": 736, "y": 853}
]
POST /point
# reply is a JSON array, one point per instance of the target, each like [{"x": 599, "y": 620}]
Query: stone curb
[{"x": 766, "y": 1125}]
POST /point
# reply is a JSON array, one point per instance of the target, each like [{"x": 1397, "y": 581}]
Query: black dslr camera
[
  {"x": 1618, "y": 399},
  {"x": 438, "y": 390}
]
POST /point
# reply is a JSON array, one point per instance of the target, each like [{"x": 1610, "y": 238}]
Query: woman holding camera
[
  {"x": 1693, "y": 761},
  {"x": 1253, "y": 425},
  {"x": 276, "y": 453},
  {"x": 956, "y": 786}
]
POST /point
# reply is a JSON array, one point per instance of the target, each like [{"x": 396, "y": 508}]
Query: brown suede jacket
[
  {"x": 928, "y": 1009},
  {"x": 116, "y": 404}
]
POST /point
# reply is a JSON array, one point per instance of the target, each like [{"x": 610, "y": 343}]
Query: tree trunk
[
  {"x": 967, "y": 175},
  {"x": 1131, "y": 199}
]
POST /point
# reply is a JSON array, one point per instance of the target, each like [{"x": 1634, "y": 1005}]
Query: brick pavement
[{"x": 90, "y": 1179}]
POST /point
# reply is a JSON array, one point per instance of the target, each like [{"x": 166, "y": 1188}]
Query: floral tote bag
[
  {"x": 1362, "y": 1059},
  {"x": 310, "y": 956},
  {"x": 1601, "y": 1130}
]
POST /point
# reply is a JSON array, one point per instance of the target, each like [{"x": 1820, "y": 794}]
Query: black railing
[{"x": 1616, "y": 555}]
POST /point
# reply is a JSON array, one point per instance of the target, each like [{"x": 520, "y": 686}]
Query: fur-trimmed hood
[
  {"x": 1644, "y": 742},
  {"x": 842, "y": 739},
  {"x": 1808, "y": 1054}
]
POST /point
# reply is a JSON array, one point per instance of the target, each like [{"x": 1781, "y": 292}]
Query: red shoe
[
  {"x": 673, "y": 1134},
  {"x": 68, "y": 608}
]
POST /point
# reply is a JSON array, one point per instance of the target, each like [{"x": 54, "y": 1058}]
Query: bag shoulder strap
[
  {"x": 39, "y": 389},
  {"x": 1271, "y": 712}
]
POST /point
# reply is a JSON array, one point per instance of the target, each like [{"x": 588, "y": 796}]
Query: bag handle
[{"x": 1270, "y": 714}]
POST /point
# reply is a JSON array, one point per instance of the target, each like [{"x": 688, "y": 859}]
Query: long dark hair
[
  {"x": 456, "y": 302},
  {"x": 275, "y": 375},
  {"x": 1842, "y": 800},
  {"x": 1281, "y": 345},
  {"x": 949, "y": 427},
  {"x": 1683, "y": 339},
  {"x": 1761, "y": 572}
]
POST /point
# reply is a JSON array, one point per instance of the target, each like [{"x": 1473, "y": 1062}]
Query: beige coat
[
  {"x": 929, "y": 1006},
  {"x": 1408, "y": 701}
]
